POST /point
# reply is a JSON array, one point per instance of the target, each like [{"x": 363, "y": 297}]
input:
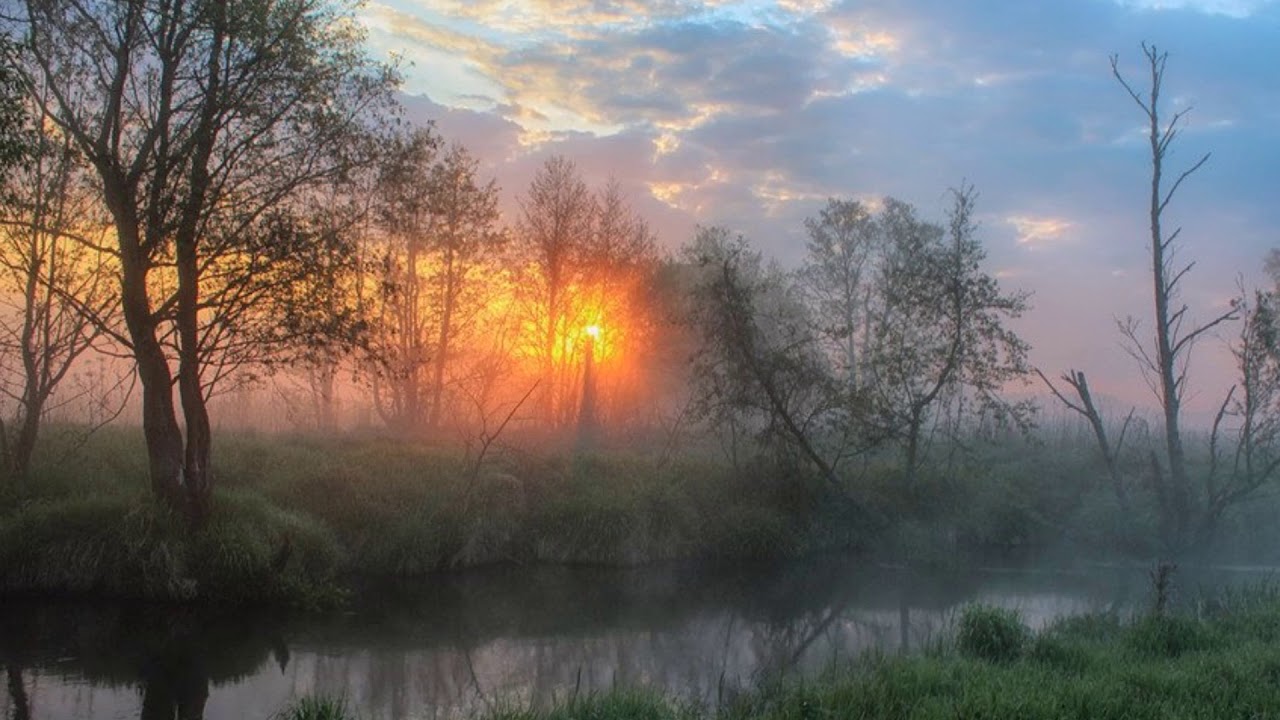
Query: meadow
[{"x": 298, "y": 520}]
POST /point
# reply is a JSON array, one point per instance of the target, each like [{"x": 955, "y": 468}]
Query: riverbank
[
  {"x": 296, "y": 519},
  {"x": 299, "y": 520},
  {"x": 1219, "y": 660}
]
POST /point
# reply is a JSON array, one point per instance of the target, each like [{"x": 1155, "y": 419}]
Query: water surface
[{"x": 452, "y": 646}]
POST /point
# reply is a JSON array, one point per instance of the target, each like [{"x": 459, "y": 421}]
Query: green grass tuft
[{"x": 316, "y": 708}]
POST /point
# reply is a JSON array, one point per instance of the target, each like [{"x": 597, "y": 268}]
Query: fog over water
[{"x": 517, "y": 635}]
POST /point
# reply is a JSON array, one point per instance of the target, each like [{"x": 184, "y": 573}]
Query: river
[{"x": 454, "y": 645}]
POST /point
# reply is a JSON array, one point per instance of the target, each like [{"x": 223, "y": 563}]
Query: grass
[
  {"x": 295, "y": 515},
  {"x": 1226, "y": 665},
  {"x": 299, "y": 514}
]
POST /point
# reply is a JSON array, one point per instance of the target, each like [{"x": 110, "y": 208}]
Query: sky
[{"x": 750, "y": 114}]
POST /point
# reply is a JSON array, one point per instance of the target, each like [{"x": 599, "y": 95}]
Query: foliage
[
  {"x": 939, "y": 333},
  {"x": 15, "y": 135},
  {"x": 991, "y": 633},
  {"x": 201, "y": 122}
]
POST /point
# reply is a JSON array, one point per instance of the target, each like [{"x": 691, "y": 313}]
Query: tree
[
  {"x": 15, "y": 130},
  {"x": 843, "y": 243},
  {"x": 49, "y": 277},
  {"x": 939, "y": 324},
  {"x": 1189, "y": 512},
  {"x": 556, "y": 225},
  {"x": 466, "y": 236},
  {"x": 618, "y": 297},
  {"x": 1165, "y": 364},
  {"x": 440, "y": 236},
  {"x": 200, "y": 120},
  {"x": 403, "y": 328},
  {"x": 1246, "y": 457},
  {"x": 758, "y": 359}
]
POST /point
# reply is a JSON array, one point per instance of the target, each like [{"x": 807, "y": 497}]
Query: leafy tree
[
  {"x": 15, "y": 128},
  {"x": 759, "y": 363},
  {"x": 403, "y": 326},
  {"x": 940, "y": 325},
  {"x": 555, "y": 228},
  {"x": 465, "y": 239},
  {"x": 844, "y": 242},
  {"x": 441, "y": 236},
  {"x": 200, "y": 120}
]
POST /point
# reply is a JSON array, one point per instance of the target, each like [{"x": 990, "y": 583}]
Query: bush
[{"x": 991, "y": 633}]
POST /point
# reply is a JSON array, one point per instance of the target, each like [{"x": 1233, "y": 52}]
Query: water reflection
[{"x": 451, "y": 647}]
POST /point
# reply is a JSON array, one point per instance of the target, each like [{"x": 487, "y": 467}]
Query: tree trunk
[
  {"x": 1179, "y": 484},
  {"x": 442, "y": 343},
  {"x": 199, "y": 486},
  {"x": 159, "y": 420}
]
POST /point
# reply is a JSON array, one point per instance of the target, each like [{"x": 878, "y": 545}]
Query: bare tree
[
  {"x": 199, "y": 120},
  {"x": 1165, "y": 365},
  {"x": 1085, "y": 406},
  {"x": 48, "y": 272},
  {"x": 555, "y": 227}
]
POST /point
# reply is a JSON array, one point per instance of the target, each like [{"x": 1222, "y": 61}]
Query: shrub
[{"x": 991, "y": 633}]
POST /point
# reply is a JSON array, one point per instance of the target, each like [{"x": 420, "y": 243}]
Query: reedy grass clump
[
  {"x": 126, "y": 546},
  {"x": 991, "y": 633},
  {"x": 316, "y": 708}
]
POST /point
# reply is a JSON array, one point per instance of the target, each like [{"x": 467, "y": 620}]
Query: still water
[{"x": 454, "y": 646}]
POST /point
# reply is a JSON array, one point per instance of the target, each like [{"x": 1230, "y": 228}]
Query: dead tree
[
  {"x": 1165, "y": 364},
  {"x": 1086, "y": 407}
]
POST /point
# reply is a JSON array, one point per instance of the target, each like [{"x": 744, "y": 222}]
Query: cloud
[
  {"x": 1037, "y": 231},
  {"x": 749, "y": 114}
]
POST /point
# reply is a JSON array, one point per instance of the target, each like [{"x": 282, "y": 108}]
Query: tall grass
[{"x": 293, "y": 515}]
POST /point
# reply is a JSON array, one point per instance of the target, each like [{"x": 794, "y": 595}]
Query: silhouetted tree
[
  {"x": 200, "y": 119},
  {"x": 403, "y": 343},
  {"x": 759, "y": 361},
  {"x": 54, "y": 284},
  {"x": 556, "y": 225}
]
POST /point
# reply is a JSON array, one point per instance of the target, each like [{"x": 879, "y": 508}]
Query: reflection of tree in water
[
  {"x": 468, "y": 643},
  {"x": 170, "y": 655}
]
